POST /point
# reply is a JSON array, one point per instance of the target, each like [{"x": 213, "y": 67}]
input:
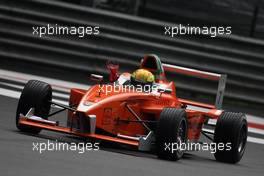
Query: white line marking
[
  {"x": 23, "y": 77},
  {"x": 255, "y": 130},
  {"x": 9, "y": 93},
  {"x": 250, "y": 118},
  {"x": 249, "y": 138},
  {"x": 255, "y": 119},
  {"x": 61, "y": 95},
  {"x": 16, "y": 95},
  {"x": 255, "y": 140},
  {"x": 250, "y": 129}
]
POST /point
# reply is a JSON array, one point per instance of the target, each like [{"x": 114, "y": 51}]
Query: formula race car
[{"x": 152, "y": 119}]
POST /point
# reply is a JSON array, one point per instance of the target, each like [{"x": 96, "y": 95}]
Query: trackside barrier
[{"x": 125, "y": 39}]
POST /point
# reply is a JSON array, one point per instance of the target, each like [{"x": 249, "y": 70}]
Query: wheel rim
[
  {"x": 242, "y": 140},
  {"x": 181, "y": 136}
]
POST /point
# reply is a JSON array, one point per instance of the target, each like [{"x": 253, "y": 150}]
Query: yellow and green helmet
[{"x": 143, "y": 76}]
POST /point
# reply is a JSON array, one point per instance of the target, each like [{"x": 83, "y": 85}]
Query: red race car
[{"x": 140, "y": 110}]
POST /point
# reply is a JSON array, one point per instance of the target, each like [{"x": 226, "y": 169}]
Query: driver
[{"x": 142, "y": 77}]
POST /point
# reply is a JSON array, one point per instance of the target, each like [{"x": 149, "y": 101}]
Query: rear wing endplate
[{"x": 221, "y": 78}]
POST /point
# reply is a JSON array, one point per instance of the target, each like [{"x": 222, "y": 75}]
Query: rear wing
[{"x": 221, "y": 78}]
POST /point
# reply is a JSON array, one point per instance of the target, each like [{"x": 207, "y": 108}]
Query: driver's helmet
[{"x": 142, "y": 77}]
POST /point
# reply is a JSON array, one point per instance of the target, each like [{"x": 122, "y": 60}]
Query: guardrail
[
  {"x": 245, "y": 16},
  {"x": 125, "y": 39}
]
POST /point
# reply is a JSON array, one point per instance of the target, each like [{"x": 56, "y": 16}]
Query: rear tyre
[
  {"x": 37, "y": 95},
  {"x": 171, "y": 132},
  {"x": 231, "y": 129}
]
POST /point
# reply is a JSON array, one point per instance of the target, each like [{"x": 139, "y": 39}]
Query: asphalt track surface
[{"x": 18, "y": 158}]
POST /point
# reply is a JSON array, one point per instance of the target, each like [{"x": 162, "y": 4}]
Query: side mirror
[
  {"x": 113, "y": 68},
  {"x": 96, "y": 78}
]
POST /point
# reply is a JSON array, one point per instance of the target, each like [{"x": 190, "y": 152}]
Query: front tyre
[
  {"x": 37, "y": 95},
  {"x": 171, "y": 132},
  {"x": 231, "y": 129}
]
